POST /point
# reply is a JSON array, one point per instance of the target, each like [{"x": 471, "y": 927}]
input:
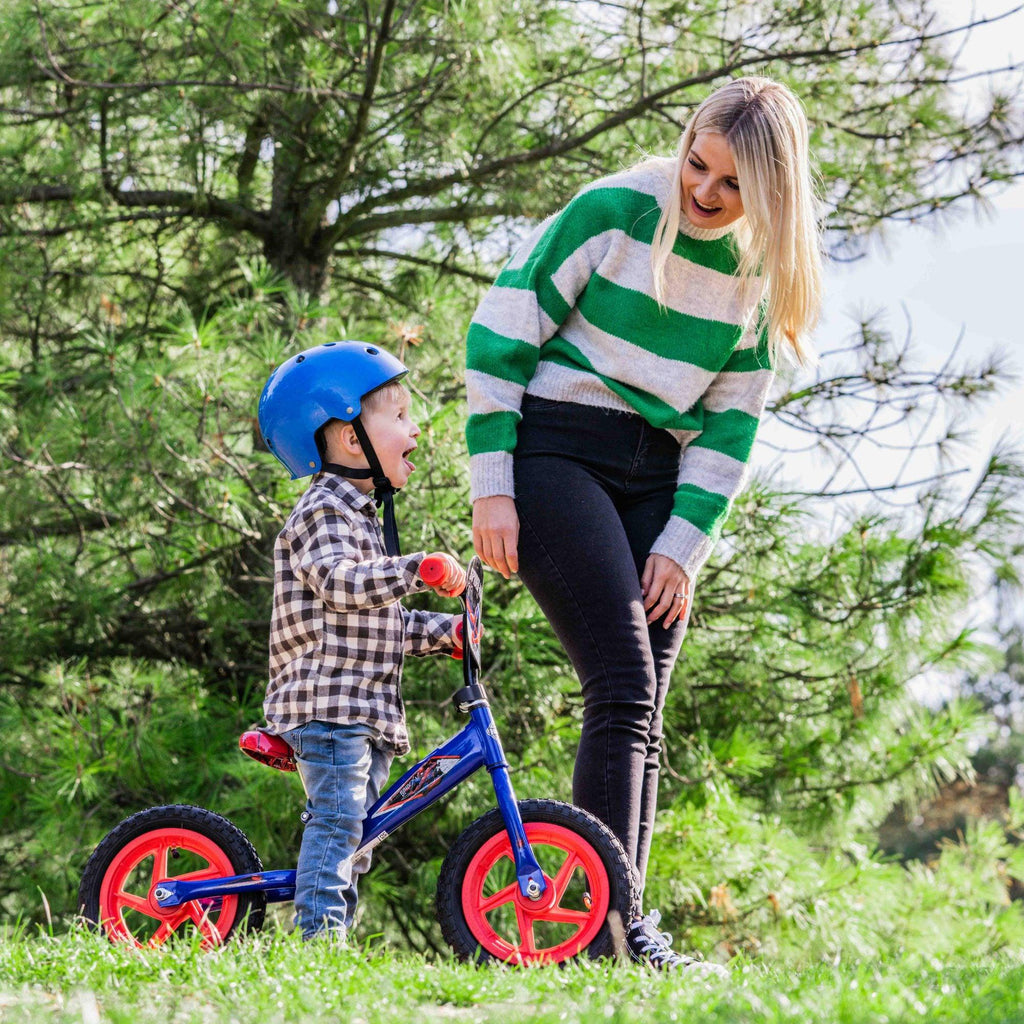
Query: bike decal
[
  {"x": 373, "y": 843},
  {"x": 422, "y": 781}
]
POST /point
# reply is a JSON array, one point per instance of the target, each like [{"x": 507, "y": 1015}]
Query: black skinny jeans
[{"x": 594, "y": 489}]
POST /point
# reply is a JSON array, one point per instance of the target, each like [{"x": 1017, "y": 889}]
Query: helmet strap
[
  {"x": 347, "y": 471},
  {"x": 383, "y": 490}
]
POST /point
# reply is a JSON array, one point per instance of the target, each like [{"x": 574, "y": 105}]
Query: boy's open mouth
[{"x": 405, "y": 458}]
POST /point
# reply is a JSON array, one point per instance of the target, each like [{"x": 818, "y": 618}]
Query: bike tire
[
  {"x": 592, "y": 899},
  {"x": 174, "y": 841}
]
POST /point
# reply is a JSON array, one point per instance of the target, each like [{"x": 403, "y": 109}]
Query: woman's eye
[
  {"x": 734, "y": 185},
  {"x": 696, "y": 166}
]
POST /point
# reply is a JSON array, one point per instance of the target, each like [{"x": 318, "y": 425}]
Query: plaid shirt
[{"x": 338, "y": 633}]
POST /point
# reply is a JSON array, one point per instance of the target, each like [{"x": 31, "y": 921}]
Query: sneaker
[{"x": 648, "y": 946}]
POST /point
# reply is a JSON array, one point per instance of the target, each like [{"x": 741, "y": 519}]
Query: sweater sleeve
[
  {"x": 531, "y": 298},
  {"x": 713, "y": 466}
]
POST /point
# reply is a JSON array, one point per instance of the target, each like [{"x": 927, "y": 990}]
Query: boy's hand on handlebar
[
  {"x": 457, "y": 637},
  {"x": 666, "y": 589},
  {"x": 443, "y": 574},
  {"x": 496, "y": 533}
]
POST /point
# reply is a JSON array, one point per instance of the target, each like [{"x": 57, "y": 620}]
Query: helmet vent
[
  {"x": 373, "y": 351},
  {"x": 299, "y": 359}
]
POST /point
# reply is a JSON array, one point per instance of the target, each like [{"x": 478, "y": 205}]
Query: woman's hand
[
  {"x": 666, "y": 589},
  {"x": 496, "y": 533}
]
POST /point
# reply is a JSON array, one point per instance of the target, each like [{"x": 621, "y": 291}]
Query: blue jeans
[{"x": 343, "y": 773}]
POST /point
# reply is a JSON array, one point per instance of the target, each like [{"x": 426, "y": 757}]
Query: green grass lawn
[{"x": 273, "y": 977}]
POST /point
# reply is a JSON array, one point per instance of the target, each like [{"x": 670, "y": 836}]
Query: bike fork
[{"x": 529, "y": 875}]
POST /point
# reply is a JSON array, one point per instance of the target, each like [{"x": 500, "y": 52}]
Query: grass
[{"x": 272, "y": 977}]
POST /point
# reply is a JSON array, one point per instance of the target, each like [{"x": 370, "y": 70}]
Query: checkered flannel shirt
[{"x": 338, "y": 633}]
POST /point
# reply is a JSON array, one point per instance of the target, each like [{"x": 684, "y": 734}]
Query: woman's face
[{"x": 711, "y": 191}]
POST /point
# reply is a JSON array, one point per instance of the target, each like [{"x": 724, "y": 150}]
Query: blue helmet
[{"x": 326, "y": 382}]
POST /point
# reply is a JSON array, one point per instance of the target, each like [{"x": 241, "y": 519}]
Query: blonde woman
[{"x": 617, "y": 371}]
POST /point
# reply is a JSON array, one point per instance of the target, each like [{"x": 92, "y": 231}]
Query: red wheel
[
  {"x": 483, "y": 913},
  {"x": 182, "y": 843}
]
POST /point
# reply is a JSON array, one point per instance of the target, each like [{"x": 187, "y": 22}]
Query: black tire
[
  {"x": 491, "y": 934},
  {"x": 114, "y": 894}
]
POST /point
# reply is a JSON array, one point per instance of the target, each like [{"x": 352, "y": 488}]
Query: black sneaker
[{"x": 648, "y": 946}]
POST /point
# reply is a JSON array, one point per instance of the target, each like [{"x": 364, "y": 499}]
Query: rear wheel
[
  {"x": 177, "y": 842},
  {"x": 588, "y": 901}
]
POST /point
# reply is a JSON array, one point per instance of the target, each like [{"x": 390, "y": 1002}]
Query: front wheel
[
  {"x": 175, "y": 842},
  {"x": 589, "y": 899}
]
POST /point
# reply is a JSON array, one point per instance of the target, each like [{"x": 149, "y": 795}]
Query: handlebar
[{"x": 433, "y": 569}]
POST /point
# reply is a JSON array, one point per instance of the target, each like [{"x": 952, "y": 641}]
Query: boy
[{"x": 338, "y": 633}]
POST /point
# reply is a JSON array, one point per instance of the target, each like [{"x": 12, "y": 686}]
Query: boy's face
[{"x": 393, "y": 435}]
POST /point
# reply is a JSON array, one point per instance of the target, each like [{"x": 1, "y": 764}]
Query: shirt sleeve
[
  {"x": 713, "y": 467},
  {"x": 532, "y": 296},
  {"x": 428, "y": 632},
  {"x": 326, "y": 558}
]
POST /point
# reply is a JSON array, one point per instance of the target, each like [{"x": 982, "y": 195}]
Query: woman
[{"x": 616, "y": 372}]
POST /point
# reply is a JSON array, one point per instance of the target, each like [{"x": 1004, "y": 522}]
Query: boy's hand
[
  {"x": 443, "y": 574},
  {"x": 457, "y": 636}
]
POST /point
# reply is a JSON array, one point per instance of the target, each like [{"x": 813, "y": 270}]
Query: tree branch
[{"x": 486, "y": 171}]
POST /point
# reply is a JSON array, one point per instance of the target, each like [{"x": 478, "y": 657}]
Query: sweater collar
[{"x": 701, "y": 234}]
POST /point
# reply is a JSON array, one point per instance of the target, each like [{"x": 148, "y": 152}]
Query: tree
[
  {"x": 321, "y": 134},
  {"x": 194, "y": 191}
]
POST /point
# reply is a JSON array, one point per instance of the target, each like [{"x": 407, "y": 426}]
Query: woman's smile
[{"x": 711, "y": 189}]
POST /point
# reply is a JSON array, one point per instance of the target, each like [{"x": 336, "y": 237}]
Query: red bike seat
[{"x": 268, "y": 749}]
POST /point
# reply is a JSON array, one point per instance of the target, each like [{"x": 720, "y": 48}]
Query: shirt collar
[{"x": 347, "y": 491}]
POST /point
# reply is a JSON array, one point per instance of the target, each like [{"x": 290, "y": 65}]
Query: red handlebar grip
[{"x": 433, "y": 570}]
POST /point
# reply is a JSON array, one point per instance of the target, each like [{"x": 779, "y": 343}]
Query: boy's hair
[{"x": 393, "y": 391}]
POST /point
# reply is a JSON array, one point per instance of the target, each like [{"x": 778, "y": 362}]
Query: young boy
[{"x": 338, "y": 631}]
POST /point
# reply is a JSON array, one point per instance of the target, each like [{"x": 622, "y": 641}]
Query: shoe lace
[{"x": 655, "y": 945}]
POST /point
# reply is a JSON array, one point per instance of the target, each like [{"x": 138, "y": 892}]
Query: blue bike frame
[{"x": 475, "y": 746}]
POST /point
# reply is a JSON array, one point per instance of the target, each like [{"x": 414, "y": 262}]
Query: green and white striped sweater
[{"x": 572, "y": 317}]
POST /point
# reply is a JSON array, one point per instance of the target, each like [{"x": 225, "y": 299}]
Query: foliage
[
  {"x": 193, "y": 192},
  {"x": 367, "y": 145}
]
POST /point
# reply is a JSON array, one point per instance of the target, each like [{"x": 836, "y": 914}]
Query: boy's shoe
[{"x": 648, "y": 946}]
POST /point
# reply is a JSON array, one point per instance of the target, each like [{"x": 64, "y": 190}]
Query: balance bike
[{"x": 531, "y": 881}]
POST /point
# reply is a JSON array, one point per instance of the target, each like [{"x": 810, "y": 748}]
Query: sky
[{"x": 959, "y": 279}]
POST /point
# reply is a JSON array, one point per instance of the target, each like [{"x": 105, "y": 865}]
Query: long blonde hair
[{"x": 778, "y": 235}]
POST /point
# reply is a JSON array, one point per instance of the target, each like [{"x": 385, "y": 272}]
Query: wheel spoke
[
  {"x": 561, "y": 915},
  {"x": 168, "y": 928},
  {"x": 201, "y": 919},
  {"x": 561, "y": 880},
  {"x": 159, "y": 863},
  {"x": 526, "y": 941},
  {"x": 137, "y": 903},
  {"x": 198, "y": 875},
  {"x": 501, "y": 897}
]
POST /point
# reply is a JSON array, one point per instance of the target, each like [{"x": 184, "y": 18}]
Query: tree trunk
[{"x": 308, "y": 271}]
